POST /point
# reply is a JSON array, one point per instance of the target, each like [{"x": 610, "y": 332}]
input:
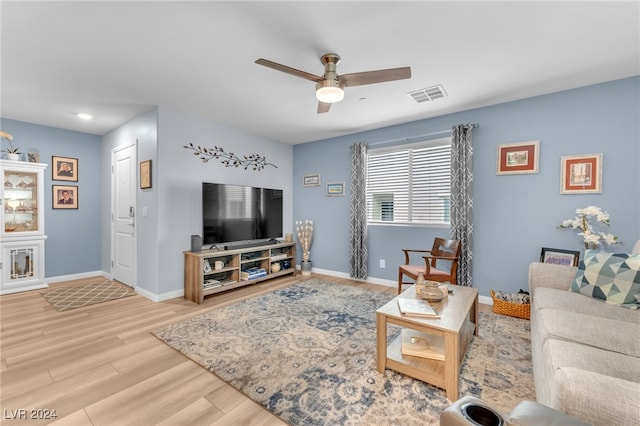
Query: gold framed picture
[
  {"x": 64, "y": 197},
  {"x": 145, "y": 174},
  {"x": 64, "y": 168}
]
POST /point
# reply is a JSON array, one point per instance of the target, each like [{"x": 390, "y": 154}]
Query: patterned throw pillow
[{"x": 611, "y": 277}]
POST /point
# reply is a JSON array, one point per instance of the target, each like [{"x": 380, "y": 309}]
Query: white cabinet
[{"x": 22, "y": 235}]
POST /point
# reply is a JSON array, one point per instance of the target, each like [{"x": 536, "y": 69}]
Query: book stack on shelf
[
  {"x": 211, "y": 283},
  {"x": 253, "y": 273}
]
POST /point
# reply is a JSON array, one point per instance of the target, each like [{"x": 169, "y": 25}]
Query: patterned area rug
[
  {"x": 307, "y": 354},
  {"x": 77, "y": 296}
]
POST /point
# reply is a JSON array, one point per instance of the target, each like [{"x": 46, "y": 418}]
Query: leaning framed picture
[
  {"x": 517, "y": 158},
  {"x": 581, "y": 174},
  {"x": 65, "y": 197},
  {"x": 145, "y": 174},
  {"x": 64, "y": 168},
  {"x": 559, "y": 256},
  {"x": 335, "y": 189}
]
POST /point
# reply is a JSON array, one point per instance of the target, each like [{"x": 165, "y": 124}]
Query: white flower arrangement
[
  {"x": 582, "y": 223},
  {"x": 11, "y": 149},
  {"x": 305, "y": 235}
]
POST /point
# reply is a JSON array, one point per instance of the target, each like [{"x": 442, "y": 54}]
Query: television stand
[{"x": 209, "y": 272}]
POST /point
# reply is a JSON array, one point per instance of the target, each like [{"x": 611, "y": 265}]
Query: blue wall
[
  {"x": 514, "y": 215},
  {"x": 143, "y": 130},
  {"x": 73, "y": 243},
  {"x": 174, "y": 204}
]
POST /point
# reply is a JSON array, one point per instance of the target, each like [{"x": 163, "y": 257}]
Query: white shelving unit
[{"x": 22, "y": 236}]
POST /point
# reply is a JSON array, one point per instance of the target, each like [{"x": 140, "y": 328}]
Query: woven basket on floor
[{"x": 518, "y": 310}]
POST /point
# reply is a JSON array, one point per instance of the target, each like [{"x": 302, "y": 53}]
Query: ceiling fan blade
[
  {"x": 279, "y": 67},
  {"x": 379, "y": 76},
  {"x": 323, "y": 107}
]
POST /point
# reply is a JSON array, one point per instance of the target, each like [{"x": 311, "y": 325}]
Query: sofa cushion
[
  {"x": 548, "y": 275},
  {"x": 551, "y": 298},
  {"x": 610, "y": 277},
  {"x": 592, "y": 384},
  {"x": 604, "y": 333}
]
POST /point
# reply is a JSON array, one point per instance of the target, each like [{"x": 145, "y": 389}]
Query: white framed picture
[
  {"x": 312, "y": 179},
  {"x": 335, "y": 189}
]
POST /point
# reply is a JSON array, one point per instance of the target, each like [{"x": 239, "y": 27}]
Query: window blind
[{"x": 410, "y": 184}]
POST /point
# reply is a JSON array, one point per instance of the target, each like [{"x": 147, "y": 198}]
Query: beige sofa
[{"x": 586, "y": 353}]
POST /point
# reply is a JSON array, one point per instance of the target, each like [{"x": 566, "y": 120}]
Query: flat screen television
[{"x": 235, "y": 213}]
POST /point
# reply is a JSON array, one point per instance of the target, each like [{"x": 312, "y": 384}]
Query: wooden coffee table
[{"x": 458, "y": 323}]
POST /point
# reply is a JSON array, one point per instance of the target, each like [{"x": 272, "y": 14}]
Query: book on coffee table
[
  {"x": 417, "y": 307},
  {"x": 423, "y": 345}
]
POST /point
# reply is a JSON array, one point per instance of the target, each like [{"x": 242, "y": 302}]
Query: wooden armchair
[{"x": 443, "y": 251}]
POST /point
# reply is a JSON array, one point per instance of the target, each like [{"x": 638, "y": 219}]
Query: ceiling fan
[{"x": 330, "y": 86}]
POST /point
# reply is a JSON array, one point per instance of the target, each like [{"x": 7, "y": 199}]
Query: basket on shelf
[{"x": 518, "y": 310}]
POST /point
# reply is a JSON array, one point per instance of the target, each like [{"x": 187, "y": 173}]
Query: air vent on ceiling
[{"x": 428, "y": 94}]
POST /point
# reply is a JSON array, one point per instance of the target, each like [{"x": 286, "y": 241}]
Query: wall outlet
[{"x": 382, "y": 263}]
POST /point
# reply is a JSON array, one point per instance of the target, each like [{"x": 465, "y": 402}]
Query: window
[{"x": 410, "y": 184}]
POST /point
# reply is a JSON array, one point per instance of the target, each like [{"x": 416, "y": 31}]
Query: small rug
[
  {"x": 307, "y": 354},
  {"x": 78, "y": 296}
]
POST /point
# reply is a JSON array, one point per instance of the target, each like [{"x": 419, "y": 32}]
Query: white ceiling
[{"x": 117, "y": 59}]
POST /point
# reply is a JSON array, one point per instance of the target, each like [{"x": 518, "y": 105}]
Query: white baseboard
[
  {"x": 159, "y": 297},
  {"x": 485, "y": 300},
  {"x": 141, "y": 291}
]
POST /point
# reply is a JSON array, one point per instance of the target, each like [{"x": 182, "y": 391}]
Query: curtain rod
[{"x": 419, "y": 137}]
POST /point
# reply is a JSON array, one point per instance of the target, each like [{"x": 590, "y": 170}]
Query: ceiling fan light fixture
[{"x": 329, "y": 91}]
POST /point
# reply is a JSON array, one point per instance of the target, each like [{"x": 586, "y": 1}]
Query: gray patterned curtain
[
  {"x": 358, "y": 221},
  {"x": 462, "y": 198}
]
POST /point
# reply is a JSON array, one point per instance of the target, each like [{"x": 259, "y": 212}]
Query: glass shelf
[{"x": 20, "y": 201}]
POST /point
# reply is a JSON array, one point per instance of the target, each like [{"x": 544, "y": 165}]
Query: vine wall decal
[{"x": 229, "y": 159}]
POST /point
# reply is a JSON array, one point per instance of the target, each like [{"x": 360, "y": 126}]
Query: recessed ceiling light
[{"x": 85, "y": 116}]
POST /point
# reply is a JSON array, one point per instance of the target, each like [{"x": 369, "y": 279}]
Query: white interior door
[{"x": 123, "y": 214}]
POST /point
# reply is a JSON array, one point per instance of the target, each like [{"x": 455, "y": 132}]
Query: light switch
[{"x": 145, "y": 213}]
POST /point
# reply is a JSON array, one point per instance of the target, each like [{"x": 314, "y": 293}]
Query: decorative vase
[
  {"x": 13, "y": 156},
  {"x": 305, "y": 267},
  {"x": 275, "y": 267},
  {"x": 590, "y": 245},
  {"x": 428, "y": 290}
]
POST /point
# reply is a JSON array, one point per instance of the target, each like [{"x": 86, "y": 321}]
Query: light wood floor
[{"x": 100, "y": 365}]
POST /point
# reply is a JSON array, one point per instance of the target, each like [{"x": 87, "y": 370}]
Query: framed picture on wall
[
  {"x": 559, "y": 256},
  {"x": 581, "y": 174},
  {"x": 312, "y": 179},
  {"x": 64, "y": 168},
  {"x": 335, "y": 189},
  {"x": 145, "y": 174},
  {"x": 517, "y": 158},
  {"x": 65, "y": 197}
]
